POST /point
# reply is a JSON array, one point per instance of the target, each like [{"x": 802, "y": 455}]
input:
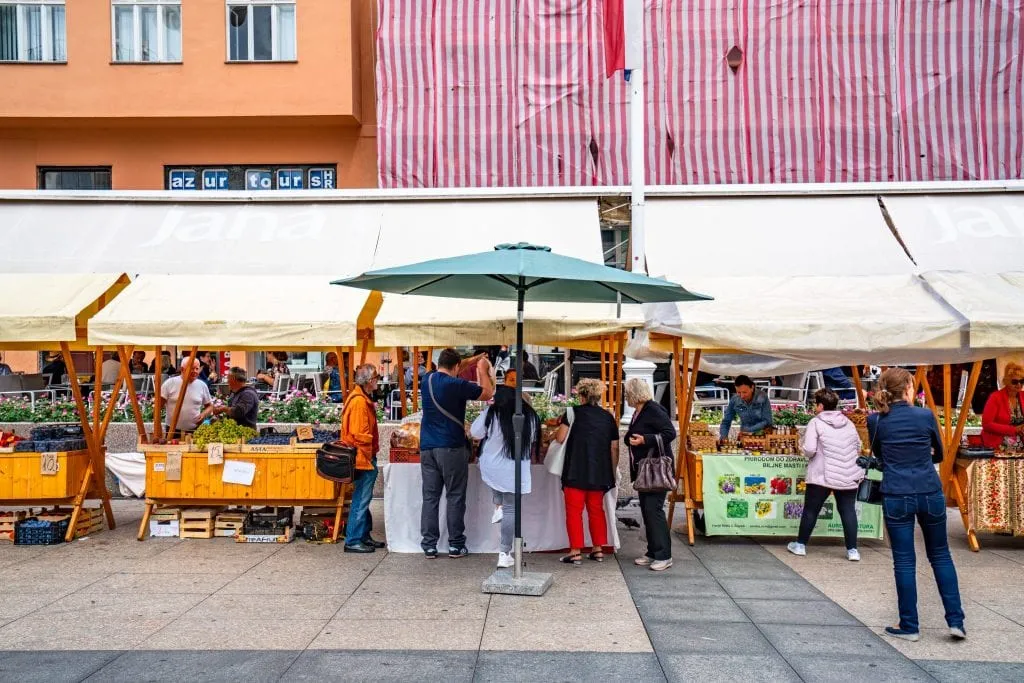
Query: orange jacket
[{"x": 359, "y": 427}]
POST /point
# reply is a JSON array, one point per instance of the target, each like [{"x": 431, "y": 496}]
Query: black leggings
[{"x": 845, "y": 501}]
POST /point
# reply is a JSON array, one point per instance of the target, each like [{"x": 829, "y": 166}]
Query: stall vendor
[
  {"x": 1004, "y": 417},
  {"x": 752, "y": 406},
  {"x": 244, "y": 404},
  {"x": 197, "y": 398}
]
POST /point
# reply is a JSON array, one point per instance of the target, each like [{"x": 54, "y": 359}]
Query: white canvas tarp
[
  {"x": 819, "y": 280},
  {"x": 970, "y": 250},
  {"x": 231, "y": 312},
  {"x": 38, "y": 307}
]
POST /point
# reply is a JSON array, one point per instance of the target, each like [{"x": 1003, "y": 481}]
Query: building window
[
  {"x": 74, "y": 178},
  {"x": 32, "y": 31},
  {"x": 147, "y": 30},
  {"x": 261, "y": 30}
]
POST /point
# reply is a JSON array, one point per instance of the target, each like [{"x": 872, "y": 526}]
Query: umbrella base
[{"x": 530, "y": 583}]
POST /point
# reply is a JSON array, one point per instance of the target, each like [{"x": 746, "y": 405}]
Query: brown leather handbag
[{"x": 656, "y": 473}]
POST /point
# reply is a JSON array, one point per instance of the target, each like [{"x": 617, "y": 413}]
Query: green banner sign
[{"x": 764, "y": 496}]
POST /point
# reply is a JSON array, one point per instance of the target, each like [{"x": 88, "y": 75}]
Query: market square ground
[{"x": 109, "y": 608}]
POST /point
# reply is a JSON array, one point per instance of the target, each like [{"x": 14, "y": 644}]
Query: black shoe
[
  {"x": 430, "y": 553},
  {"x": 456, "y": 553},
  {"x": 373, "y": 543},
  {"x": 359, "y": 548}
]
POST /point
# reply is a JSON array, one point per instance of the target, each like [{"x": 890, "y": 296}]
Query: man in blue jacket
[{"x": 752, "y": 406}]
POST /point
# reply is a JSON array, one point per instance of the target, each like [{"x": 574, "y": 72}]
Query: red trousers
[{"x": 575, "y": 501}]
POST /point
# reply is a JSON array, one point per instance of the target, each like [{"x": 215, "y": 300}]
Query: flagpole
[{"x": 633, "y": 20}]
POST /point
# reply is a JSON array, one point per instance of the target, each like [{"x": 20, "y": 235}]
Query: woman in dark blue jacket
[{"x": 906, "y": 441}]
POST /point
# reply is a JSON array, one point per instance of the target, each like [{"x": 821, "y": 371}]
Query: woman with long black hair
[{"x": 494, "y": 429}]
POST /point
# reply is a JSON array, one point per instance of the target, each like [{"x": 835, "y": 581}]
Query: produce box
[
  {"x": 404, "y": 455},
  {"x": 7, "y": 522},
  {"x": 286, "y": 536},
  {"x": 197, "y": 522},
  {"x": 34, "y": 531},
  {"x": 229, "y": 523},
  {"x": 164, "y": 523}
]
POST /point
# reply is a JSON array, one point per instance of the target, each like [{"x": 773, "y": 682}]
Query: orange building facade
[{"x": 183, "y": 94}]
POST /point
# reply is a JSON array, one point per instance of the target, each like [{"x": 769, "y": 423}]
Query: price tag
[
  {"x": 215, "y": 454},
  {"x": 305, "y": 433},
  {"x": 173, "y": 466},
  {"x": 48, "y": 463}
]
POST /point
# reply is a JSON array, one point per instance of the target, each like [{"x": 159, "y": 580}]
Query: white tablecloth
[{"x": 543, "y": 512}]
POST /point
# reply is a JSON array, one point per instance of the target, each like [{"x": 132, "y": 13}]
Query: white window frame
[
  {"x": 161, "y": 31},
  {"x": 274, "y": 29},
  {"x": 46, "y": 20}
]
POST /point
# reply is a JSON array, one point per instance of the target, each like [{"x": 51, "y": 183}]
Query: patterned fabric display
[
  {"x": 990, "y": 494},
  {"x": 1017, "y": 485}
]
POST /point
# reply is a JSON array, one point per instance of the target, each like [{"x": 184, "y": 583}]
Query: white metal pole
[{"x": 634, "y": 27}]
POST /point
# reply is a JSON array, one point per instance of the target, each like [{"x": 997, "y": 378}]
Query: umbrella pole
[{"x": 517, "y": 426}]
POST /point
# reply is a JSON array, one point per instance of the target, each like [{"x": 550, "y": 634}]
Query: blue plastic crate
[{"x": 34, "y": 531}]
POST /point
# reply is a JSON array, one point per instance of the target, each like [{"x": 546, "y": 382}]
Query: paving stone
[
  {"x": 971, "y": 672},
  {"x": 52, "y": 666},
  {"x": 612, "y": 633},
  {"x": 197, "y": 665},
  {"x": 768, "y": 569},
  {"x": 669, "y": 637},
  {"x": 668, "y": 584},
  {"x": 850, "y": 641},
  {"x": 771, "y": 589},
  {"x": 234, "y": 634},
  {"x": 397, "y": 665},
  {"x": 556, "y": 667},
  {"x": 814, "y": 667},
  {"x": 225, "y": 606},
  {"x": 400, "y": 634},
  {"x": 689, "y": 609},
  {"x": 807, "y": 612},
  {"x": 726, "y": 667}
]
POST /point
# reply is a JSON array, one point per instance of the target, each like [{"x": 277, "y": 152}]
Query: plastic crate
[{"x": 33, "y": 531}]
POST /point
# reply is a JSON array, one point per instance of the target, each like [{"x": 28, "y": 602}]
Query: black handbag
[
  {"x": 870, "y": 490},
  {"x": 336, "y": 461}
]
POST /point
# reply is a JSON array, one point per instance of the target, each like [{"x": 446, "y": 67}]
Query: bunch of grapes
[
  {"x": 222, "y": 431},
  {"x": 271, "y": 440}
]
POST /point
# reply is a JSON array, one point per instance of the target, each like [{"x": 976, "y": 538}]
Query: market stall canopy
[
  {"x": 816, "y": 280},
  {"x": 40, "y": 310},
  {"x": 235, "y": 311},
  {"x": 265, "y": 236},
  {"x": 970, "y": 250},
  {"x": 570, "y": 228}
]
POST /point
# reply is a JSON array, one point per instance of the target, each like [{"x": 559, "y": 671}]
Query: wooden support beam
[
  {"x": 351, "y": 365},
  {"x": 401, "y": 380},
  {"x": 946, "y": 469},
  {"x": 342, "y": 384},
  {"x": 158, "y": 383},
  {"x": 126, "y": 373},
  {"x": 858, "y": 383},
  {"x": 415, "y": 379},
  {"x": 363, "y": 350},
  {"x": 604, "y": 374},
  {"x": 97, "y": 390},
  {"x": 947, "y": 403},
  {"x": 186, "y": 379}
]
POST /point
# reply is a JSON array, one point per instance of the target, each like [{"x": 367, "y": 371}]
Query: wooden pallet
[
  {"x": 229, "y": 523},
  {"x": 198, "y": 522}
]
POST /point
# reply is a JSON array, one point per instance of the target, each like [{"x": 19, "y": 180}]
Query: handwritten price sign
[{"x": 48, "y": 463}]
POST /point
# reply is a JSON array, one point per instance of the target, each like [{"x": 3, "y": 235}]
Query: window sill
[
  {"x": 261, "y": 61},
  {"x": 177, "y": 63},
  {"x": 26, "y": 62}
]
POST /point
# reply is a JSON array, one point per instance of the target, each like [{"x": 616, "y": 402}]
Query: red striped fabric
[{"x": 492, "y": 92}]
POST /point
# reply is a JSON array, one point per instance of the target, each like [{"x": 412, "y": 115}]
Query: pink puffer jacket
[{"x": 832, "y": 444}]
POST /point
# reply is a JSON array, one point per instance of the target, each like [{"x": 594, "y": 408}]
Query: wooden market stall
[
  {"x": 849, "y": 295},
  {"x": 48, "y": 312},
  {"x": 243, "y": 313}
]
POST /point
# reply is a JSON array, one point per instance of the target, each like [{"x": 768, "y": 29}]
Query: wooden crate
[
  {"x": 21, "y": 477},
  {"x": 198, "y": 522},
  {"x": 279, "y": 476},
  {"x": 286, "y": 537},
  {"x": 7, "y": 520},
  {"x": 702, "y": 442},
  {"x": 229, "y": 523}
]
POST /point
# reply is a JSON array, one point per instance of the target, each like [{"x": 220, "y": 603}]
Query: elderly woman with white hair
[{"x": 650, "y": 420}]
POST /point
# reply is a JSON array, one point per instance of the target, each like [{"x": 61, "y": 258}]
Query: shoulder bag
[
  {"x": 440, "y": 408},
  {"x": 656, "y": 473},
  {"x": 554, "y": 460},
  {"x": 870, "y": 490},
  {"x": 336, "y": 461}
]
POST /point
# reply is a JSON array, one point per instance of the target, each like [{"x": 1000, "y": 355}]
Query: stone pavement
[{"x": 110, "y": 608}]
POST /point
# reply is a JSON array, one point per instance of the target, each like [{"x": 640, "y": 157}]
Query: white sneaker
[
  {"x": 853, "y": 555},
  {"x": 660, "y": 565},
  {"x": 506, "y": 560},
  {"x": 497, "y": 516},
  {"x": 797, "y": 548},
  {"x": 643, "y": 561}
]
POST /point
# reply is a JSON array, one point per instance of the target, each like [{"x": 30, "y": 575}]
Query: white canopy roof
[
  {"x": 970, "y": 249},
  {"x": 231, "y": 311},
  {"x": 569, "y": 227},
  {"x": 820, "y": 280},
  {"x": 42, "y": 308}
]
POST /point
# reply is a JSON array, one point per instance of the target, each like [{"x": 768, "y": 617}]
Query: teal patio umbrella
[{"x": 521, "y": 272}]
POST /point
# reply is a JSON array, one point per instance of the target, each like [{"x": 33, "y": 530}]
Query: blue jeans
[
  {"x": 358, "y": 527},
  {"x": 929, "y": 509}
]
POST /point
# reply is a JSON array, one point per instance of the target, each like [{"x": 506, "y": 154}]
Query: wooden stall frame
[{"x": 685, "y": 377}]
